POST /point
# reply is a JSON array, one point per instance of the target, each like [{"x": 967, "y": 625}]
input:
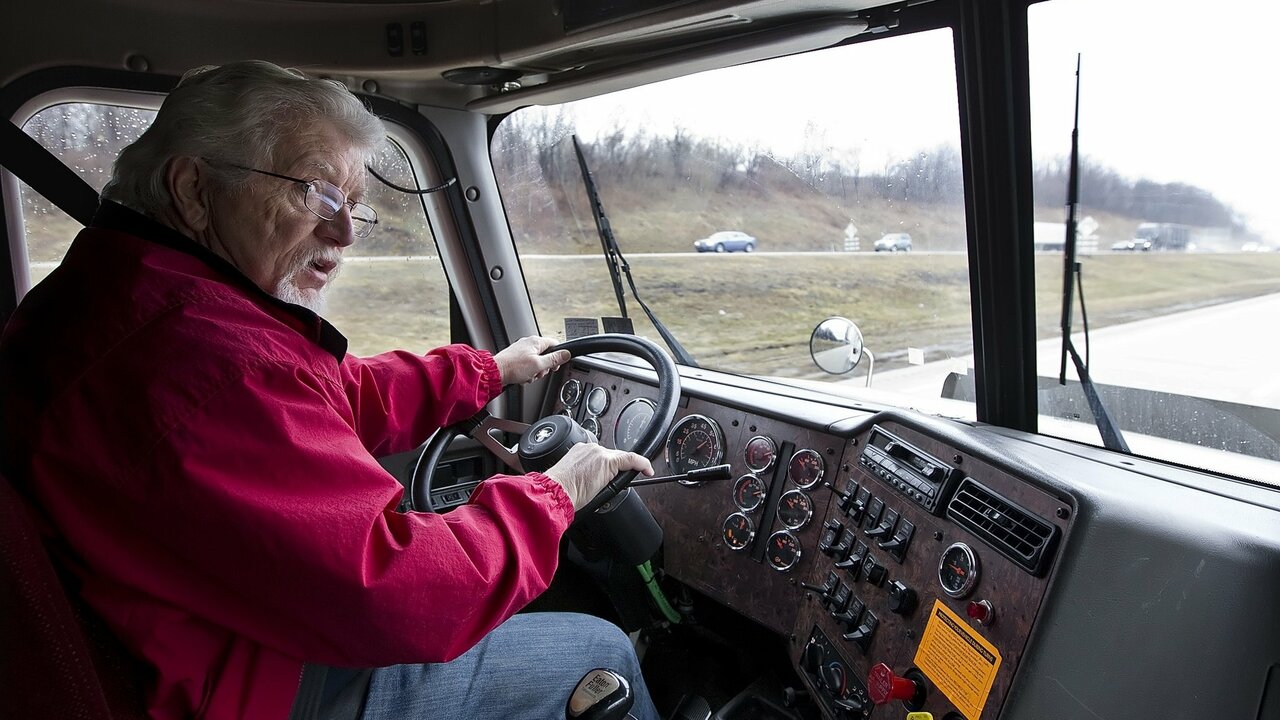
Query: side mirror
[{"x": 836, "y": 347}]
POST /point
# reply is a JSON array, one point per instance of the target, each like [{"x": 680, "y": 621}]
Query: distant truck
[
  {"x": 1052, "y": 236},
  {"x": 1169, "y": 237}
]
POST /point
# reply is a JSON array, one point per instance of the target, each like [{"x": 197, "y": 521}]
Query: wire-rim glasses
[{"x": 325, "y": 201}]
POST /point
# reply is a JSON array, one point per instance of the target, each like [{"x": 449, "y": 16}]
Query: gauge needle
[{"x": 959, "y": 570}]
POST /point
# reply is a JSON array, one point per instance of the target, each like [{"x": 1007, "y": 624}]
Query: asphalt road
[{"x": 1224, "y": 352}]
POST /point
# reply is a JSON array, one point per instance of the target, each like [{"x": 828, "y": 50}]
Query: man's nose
[{"x": 340, "y": 229}]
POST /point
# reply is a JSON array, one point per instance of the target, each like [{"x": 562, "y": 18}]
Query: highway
[{"x": 1223, "y": 352}]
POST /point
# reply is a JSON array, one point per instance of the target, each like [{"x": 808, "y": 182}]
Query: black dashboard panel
[{"x": 968, "y": 572}]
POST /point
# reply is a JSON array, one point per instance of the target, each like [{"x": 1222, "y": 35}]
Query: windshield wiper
[
  {"x": 618, "y": 265},
  {"x": 1111, "y": 437}
]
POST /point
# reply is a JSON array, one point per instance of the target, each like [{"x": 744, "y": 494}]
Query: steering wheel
[{"x": 480, "y": 425}]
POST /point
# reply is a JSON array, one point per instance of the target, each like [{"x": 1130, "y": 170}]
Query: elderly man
[{"x": 197, "y": 439}]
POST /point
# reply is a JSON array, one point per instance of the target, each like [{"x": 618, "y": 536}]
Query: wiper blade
[
  {"x": 618, "y": 265},
  {"x": 1112, "y": 439}
]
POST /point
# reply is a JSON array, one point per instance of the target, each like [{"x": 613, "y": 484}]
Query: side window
[
  {"x": 1179, "y": 234},
  {"x": 392, "y": 292}
]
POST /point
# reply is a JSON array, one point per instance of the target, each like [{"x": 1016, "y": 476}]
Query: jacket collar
[{"x": 114, "y": 216}]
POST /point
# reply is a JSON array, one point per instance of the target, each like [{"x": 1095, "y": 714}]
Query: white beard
[{"x": 312, "y": 299}]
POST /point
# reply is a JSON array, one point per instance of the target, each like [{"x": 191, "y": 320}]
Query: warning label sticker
[{"x": 959, "y": 661}]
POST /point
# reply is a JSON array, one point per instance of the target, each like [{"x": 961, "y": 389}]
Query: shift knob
[{"x": 600, "y": 695}]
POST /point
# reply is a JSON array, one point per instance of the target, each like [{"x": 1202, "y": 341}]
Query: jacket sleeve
[
  {"x": 400, "y": 398},
  {"x": 286, "y": 532}
]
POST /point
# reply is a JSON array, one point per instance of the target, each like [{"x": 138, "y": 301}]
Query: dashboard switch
[
  {"x": 883, "y": 686},
  {"x": 830, "y": 536},
  {"x": 862, "y": 636},
  {"x": 873, "y": 571},
  {"x": 902, "y": 599}
]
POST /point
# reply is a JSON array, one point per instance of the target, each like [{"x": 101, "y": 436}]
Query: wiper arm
[
  {"x": 618, "y": 265},
  {"x": 1112, "y": 439}
]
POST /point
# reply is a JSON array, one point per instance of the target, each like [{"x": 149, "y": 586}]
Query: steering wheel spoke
[{"x": 483, "y": 426}]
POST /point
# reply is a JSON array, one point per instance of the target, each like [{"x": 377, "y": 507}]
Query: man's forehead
[{"x": 332, "y": 167}]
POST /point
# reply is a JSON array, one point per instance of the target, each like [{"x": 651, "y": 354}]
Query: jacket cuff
[
  {"x": 490, "y": 377},
  {"x": 559, "y": 497}
]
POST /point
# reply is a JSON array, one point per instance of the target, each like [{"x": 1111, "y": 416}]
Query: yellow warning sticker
[{"x": 959, "y": 661}]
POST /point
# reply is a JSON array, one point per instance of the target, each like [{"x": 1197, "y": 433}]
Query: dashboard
[{"x": 912, "y": 563}]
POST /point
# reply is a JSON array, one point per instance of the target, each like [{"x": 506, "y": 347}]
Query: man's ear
[{"x": 188, "y": 187}]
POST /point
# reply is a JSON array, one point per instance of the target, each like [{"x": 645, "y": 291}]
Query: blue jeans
[{"x": 525, "y": 669}]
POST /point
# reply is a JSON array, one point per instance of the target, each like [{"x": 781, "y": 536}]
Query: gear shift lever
[{"x": 600, "y": 695}]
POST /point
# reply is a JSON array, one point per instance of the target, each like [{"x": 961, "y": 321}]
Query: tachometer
[
  {"x": 759, "y": 453},
  {"x": 748, "y": 493},
  {"x": 782, "y": 551},
  {"x": 695, "y": 442},
  {"x": 738, "y": 531},
  {"x": 632, "y": 422},
  {"x": 806, "y": 468}
]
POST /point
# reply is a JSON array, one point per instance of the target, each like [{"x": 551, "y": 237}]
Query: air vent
[{"x": 1015, "y": 533}]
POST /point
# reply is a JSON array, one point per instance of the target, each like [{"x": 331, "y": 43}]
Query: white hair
[{"x": 235, "y": 114}]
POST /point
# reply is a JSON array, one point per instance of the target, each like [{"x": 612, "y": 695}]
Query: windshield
[
  {"x": 809, "y": 180},
  {"x": 859, "y": 213}
]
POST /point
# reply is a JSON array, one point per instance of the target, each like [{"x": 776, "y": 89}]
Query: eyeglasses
[{"x": 325, "y": 201}]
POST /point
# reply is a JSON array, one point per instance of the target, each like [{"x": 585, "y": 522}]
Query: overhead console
[{"x": 905, "y": 573}]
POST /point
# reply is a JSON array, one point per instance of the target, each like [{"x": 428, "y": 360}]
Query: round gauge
[
  {"x": 782, "y": 551},
  {"x": 597, "y": 401},
  {"x": 795, "y": 509},
  {"x": 631, "y": 423},
  {"x": 738, "y": 531},
  {"x": 695, "y": 442},
  {"x": 570, "y": 392},
  {"x": 591, "y": 425},
  {"x": 806, "y": 468},
  {"x": 748, "y": 493},
  {"x": 759, "y": 453},
  {"x": 958, "y": 570}
]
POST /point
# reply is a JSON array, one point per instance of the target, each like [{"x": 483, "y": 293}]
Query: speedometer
[{"x": 695, "y": 442}]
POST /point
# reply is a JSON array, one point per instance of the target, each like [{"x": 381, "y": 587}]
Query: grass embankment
[{"x": 754, "y": 312}]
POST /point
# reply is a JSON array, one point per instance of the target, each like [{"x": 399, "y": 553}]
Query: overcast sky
[{"x": 1171, "y": 92}]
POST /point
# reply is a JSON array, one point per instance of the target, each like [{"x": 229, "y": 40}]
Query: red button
[
  {"x": 981, "y": 611},
  {"x": 883, "y": 686}
]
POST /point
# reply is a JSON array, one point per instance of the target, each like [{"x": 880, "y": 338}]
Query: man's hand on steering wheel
[
  {"x": 578, "y": 470},
  {"x": 523, "y": 361},
  {"x": 588, "y": 467}
]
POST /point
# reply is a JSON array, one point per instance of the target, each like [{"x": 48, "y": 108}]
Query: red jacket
[{"x": 207, "y": 454}]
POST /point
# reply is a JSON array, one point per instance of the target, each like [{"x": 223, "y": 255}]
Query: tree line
[{"x": 537, "y": 143}]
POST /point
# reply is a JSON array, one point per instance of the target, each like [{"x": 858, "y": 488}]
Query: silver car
[{"x": 726, "y": 241}]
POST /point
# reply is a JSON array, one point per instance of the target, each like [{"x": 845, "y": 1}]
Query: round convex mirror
[{"x": 836, "y": 345}]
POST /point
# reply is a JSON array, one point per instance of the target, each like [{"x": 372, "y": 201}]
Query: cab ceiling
[{"x": 485, "y": 55}]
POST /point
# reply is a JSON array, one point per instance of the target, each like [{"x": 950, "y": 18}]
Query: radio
[{"x": 922, "y": 478}]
